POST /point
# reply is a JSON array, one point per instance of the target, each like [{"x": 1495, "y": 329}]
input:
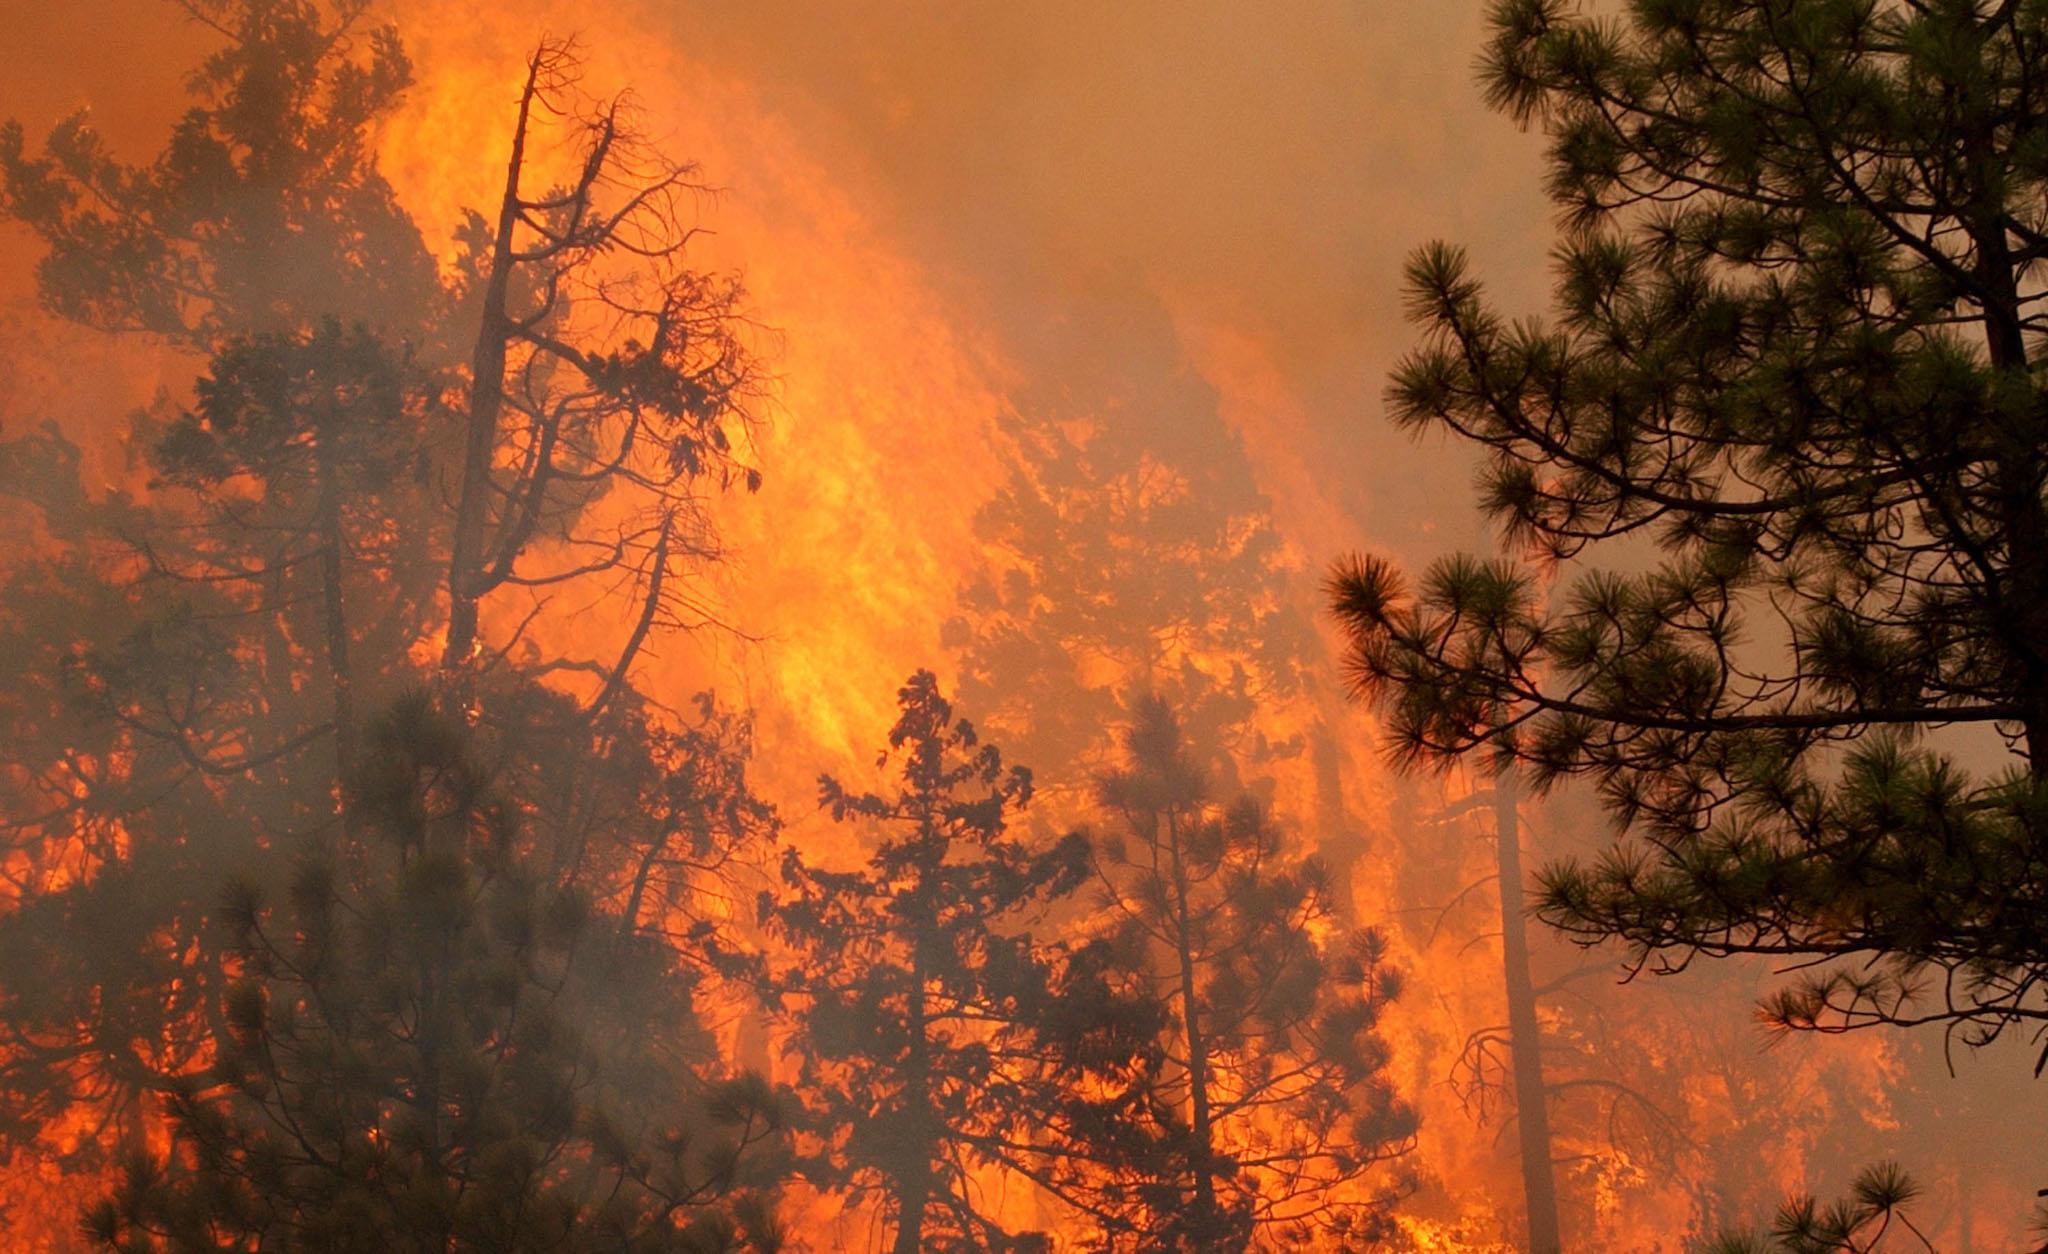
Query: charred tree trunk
[
  {"x": 914, "y": 1187},
  {"x": 486, "y": 403},
  {"x": 1525, "y": 1042}
]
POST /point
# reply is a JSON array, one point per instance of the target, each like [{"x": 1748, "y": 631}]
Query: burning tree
[
  {"x": 192, "y": 663},
  {"x": 1267, "y": 1117},
  {"x": 1129, "y": 565},
  {"x": 936, "y": 1037},
  {"x": 1797, "y": 350},
  {"x": 1133, "y": 553},
  {"x": 605, "y": 372},
  {"x": 407, "y": 1055}
]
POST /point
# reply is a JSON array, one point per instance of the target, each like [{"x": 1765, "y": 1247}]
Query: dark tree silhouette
[
  {"x": 1796, "y": 352},
  {"x": 264, "y": 214},
  {"x": 1524, "y": 1033},
  {"x": 1268, "y": 1117},
  {"x": 928, "y": 1023},
  {"x": 1856, "y": 1224},
  {"x": 405, "y": 1057},
  {"x": 608, "y": 381},
  {"x": 326, "y": 427},
  {"x": 186, "y": 668}
]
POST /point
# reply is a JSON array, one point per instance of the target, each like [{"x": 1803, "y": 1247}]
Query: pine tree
[
  {"x": 1796, "y": 348},
  {"x": 175, "y": 678},
  {"x": 1267, "y": 1118},
  {"x": 190, "y": 664},
  {"x": 1133, "y": 553},
  {"x": 1127, "y": 565},
  {"x": 314, "y": 443},
  {"x": 405, "y": 1060},
  {"x": 925, "y": 1015},
  {"x": 1856, "y": 1224},
  {"x": 264, "y": 214}
]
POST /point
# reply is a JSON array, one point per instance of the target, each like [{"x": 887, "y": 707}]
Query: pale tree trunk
[{"x": 1525, "y": 1041}]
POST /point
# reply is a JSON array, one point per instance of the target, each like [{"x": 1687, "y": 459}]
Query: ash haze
[{"x": 1173, "y": 234}]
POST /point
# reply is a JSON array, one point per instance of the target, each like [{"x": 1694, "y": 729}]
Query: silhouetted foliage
[
  {"x": 1856, "y": 1224},
  {"x": 1795, "y": 350},
  {"x": 404, "y": 1059},
  {"x": 186, "y": 666},
  {"x": 616, "y": 373},
  {"x": 265, "y": 213},
  {"x": 1267, "y": 1116},
  {"x": 919, "y": 1002}
]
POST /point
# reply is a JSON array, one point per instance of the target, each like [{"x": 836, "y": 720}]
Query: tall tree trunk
[
  {"x": 1202, "y": 1152},
  {"x": 341, "y": 676},
  {"x": 486, "y": 403},
  {"x": 2023, "y": 616},
  {"x": 1525, "y": 1042},
  {"x": 914, "y": 1187}
]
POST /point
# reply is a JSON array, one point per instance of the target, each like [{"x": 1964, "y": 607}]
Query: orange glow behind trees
[{"x": 663, "y": 460}]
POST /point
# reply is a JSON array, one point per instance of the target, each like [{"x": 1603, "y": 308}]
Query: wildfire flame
[{"x": 887, "y": 434}]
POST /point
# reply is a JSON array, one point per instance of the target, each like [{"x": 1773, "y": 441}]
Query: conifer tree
[
  {"x": 1860, "y": 1223},
  {"x": 924, "y": 1013},
  {"x": 1797, "y": 350},
  {"x": 175, "y": 680},
  {"x": 1128, "y": 564},
  {"x": 189, "y": 665},
  {"x": 1267, "y": 1116},
  {"x": 1132, "y": 552},
  {"x": 265, "y": 213},
  {"x": 406, "y": 1059}
]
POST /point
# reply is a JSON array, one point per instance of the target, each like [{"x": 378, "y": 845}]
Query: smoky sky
[
  {"x": 1093, "y": 175},
  {"x": 1086, "y": 178}
]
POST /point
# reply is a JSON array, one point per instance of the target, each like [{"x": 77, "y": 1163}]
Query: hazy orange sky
[
  {"x": 1068, "y": 207},
  {"x": 1077, "y": 206},
  {"x": 1097, "y": 183}
]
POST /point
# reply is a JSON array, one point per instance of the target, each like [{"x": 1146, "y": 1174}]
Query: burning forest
[{"x": 1349, "y": 626}]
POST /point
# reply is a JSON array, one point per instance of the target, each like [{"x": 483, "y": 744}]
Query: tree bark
[
  {"x": 914, "y": 1187},
  {"x": 1525, "y": 1042}
]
